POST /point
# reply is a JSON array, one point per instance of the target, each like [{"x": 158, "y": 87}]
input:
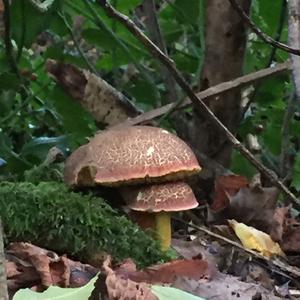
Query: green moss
[{"x": 50, "y": 215}]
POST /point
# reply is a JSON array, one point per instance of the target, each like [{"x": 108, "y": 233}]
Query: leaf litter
[{"x": 209, "y": 268}]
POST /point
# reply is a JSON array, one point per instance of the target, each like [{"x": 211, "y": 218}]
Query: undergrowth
[{"x": 51, "y": 216}]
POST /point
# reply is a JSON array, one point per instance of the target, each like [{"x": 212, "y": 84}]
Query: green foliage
[
  {"x": 270, "y": 99},
  {"x": 51, "y": 216},
  {"x": 83, "y": 293},
  {"x": 55, "y": 293},
  {"x": 40, "y": 115}
]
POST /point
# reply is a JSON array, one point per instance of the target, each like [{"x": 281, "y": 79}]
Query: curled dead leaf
[{"x": 253, "y": 239}]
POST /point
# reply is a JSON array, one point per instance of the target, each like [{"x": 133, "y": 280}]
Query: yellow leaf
[{"x": 254, "y": 239}]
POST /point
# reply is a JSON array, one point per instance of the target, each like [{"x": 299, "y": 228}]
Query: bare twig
[
  {"x": 294, "y": 40},
  {"x": 213, "y": 91},
  {"x": 260, "y": 33},
  {"x": 199, "y": 105},
  {"x": 82, "y": 54},
  {"x": 275, "y": 262},
  {"x": 7, "y": 38}
]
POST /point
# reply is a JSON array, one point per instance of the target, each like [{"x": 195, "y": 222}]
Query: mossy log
[{"x": 51, "y": 216}]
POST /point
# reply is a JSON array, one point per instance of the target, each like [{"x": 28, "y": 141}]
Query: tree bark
[{"x": 294, "y": 40}]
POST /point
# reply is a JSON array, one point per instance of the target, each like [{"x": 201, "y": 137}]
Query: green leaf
[
  {"x": 76, "y": 120},
  {"x": 189, "y": 11},
  {"x": 54, "y": 292},
  {"x": 39, "y": 147},
  {"x": 143, "y": 91},
  {"x": 126, "y": 5},
  {"x": 9, "y": 81},
  {"x": 28, "y": 21},
  {"x": 167, "y": 293},
  {"x": 271, "y": 137},
  {"x": 99, "y": 38},
  {"x": 263, "y": 17},
  {"x": 240, "y": 165}
]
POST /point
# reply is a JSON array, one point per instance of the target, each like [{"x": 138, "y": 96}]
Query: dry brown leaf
[
  {"x": 42, "y": 260},
  {"x": 254, "y": 239},
  {"x": 226, "y": 185},
  {"x": 121, "y": 288},
  {"x": 224, "y": 287},
  {"x": 279, "y": 223},
  {"x": 291, "y": 238},
  {"x": 251, "y": 204},
  {"x": 254, "y": 207},
  {"x": 198, "y": 269},
  {"x": 31, "y": 266}
]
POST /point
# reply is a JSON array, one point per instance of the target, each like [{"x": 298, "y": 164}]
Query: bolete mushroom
[
  {"x": 138, "y": 155},
  {"x": 158, "y": 201},
  {"x": 131, "y": 155}
]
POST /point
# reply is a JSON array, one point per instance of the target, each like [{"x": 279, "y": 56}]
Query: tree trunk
[{"x": 225, "y": 44}]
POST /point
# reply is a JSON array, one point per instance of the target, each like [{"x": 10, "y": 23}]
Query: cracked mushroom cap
[
  {"x": 172, "y": 196},
  {"x": 135, "y": 154}
]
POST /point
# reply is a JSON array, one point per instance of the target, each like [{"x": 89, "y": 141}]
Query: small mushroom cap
[
  {"x": 135, "y": 154},
  {"x": 172, "y": 196}
]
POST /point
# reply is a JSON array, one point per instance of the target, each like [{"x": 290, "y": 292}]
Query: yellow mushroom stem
[
  {"x": 159, "y": 223},
  {"x": 163, "y": 229}
]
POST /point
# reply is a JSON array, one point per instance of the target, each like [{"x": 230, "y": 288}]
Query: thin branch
[
  {"x": 7, "y": 39},
  {"x": 198, "y": 103},
  {"x": 275, "y": 262},
  {"x": 260, "y": 33},
  {"x": 220, "y": 88},
  {"x": 82, "y": 54}
]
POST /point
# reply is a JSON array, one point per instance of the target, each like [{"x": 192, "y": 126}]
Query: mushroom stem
[{"x": 163, "y": 229}]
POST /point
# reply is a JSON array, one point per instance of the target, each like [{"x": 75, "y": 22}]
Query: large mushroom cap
[
  {"x": 134, "y": 154},
  {"x": 73, "y": 164},
  {"x": 172, "y": 196}
]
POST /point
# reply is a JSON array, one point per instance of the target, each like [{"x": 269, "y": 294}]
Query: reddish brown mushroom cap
[
  {"x": 173, "y": 196},
  {"x": 137, "y": 154}
]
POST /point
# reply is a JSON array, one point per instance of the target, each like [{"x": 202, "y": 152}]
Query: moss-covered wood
[{"x": 50, "y": 215}]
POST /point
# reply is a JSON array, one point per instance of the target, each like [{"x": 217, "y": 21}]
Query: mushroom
[
  {"x": 131, "y": 155},
  {"x": 137, "y": 155},
  {"x": 158, "y": 201}
]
